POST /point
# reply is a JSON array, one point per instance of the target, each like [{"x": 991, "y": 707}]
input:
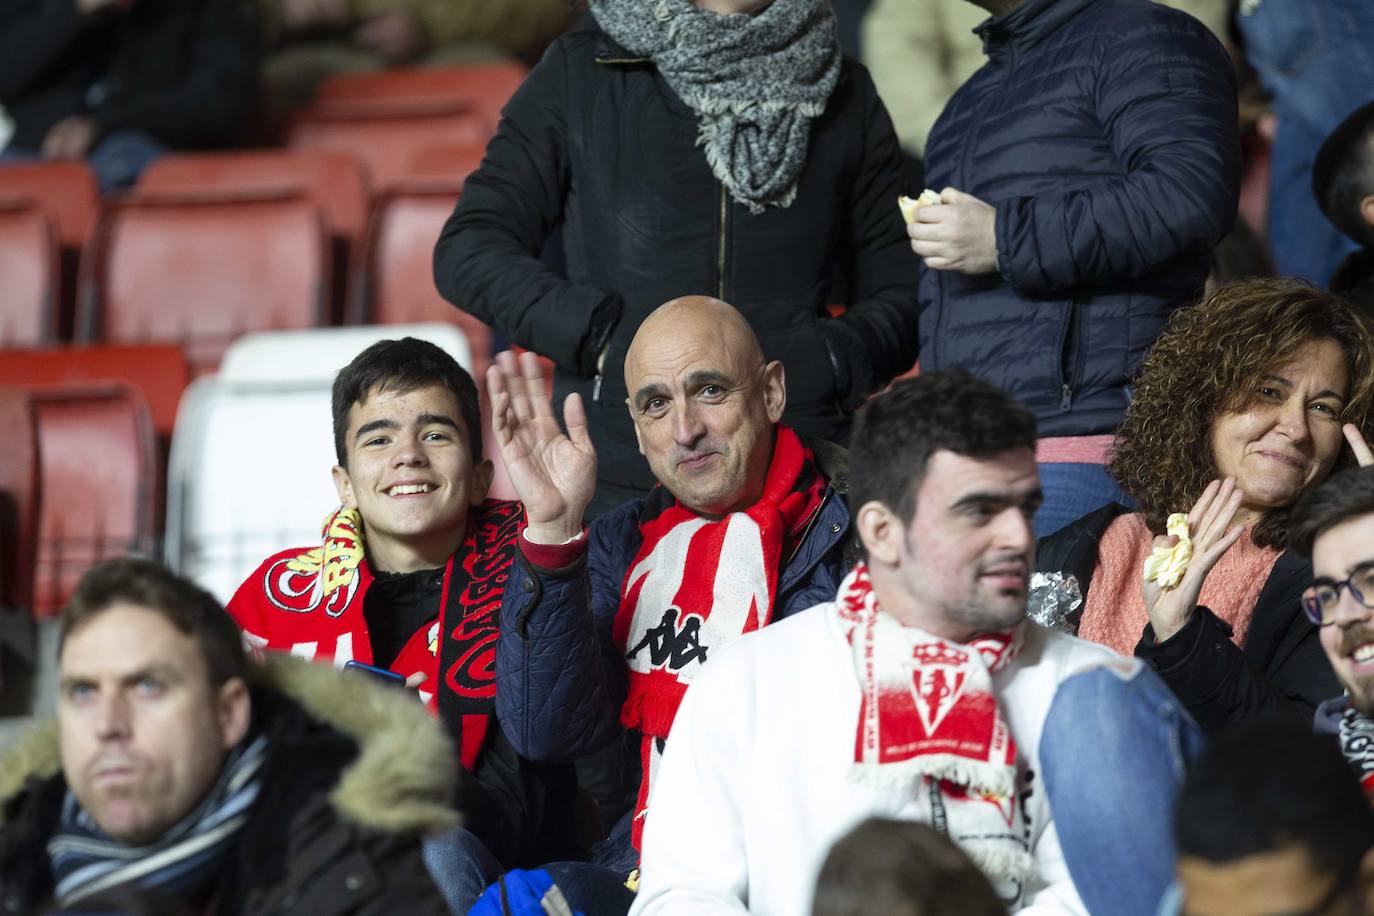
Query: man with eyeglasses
[{"x": 1334, "y": 524}]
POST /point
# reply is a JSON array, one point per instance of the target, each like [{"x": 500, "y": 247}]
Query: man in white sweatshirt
[{"x": 921, "y": 692}]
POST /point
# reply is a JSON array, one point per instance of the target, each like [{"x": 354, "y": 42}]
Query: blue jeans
[
  {"x": 1113, "y": 754},
  {"x": 1316, "y": 57},
  {"x": 1071, "y": 492},
  {"x": 117, "y": 160},
  {"x": 461, "y": 866}
]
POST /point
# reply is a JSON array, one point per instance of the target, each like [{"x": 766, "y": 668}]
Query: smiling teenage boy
[{"x": 411, "y": 570}]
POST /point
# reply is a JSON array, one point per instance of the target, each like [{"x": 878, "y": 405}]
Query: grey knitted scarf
[{"x": 755, "y": 82}]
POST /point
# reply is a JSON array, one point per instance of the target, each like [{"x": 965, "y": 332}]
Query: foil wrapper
[{"x": 1053, "y": 597}]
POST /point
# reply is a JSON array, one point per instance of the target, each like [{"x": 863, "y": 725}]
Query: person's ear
[
  {"x": 774, "y": 390},
  {"x": 234, "y": 709},
  {"x": 344, "y": 485},
  {"x": 1367, "y": 210},
  {"x": 482, "y": 474},
  {"x": 881, "y": 532}
]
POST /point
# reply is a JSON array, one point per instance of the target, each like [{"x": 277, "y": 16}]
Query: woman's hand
[{"x": 1212, "y": 534}]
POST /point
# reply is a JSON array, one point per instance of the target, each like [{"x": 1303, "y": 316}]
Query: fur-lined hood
[{"x": 400, "y": 782}]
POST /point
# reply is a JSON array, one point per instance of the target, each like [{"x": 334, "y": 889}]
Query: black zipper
[
  {"x": 721, "y": 248},
  {"x": 1068, "y": 355}
]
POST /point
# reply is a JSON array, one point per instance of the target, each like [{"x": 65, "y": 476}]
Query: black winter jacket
[
  {"x": 183, "y": 71},
  {"x": 1281, "y": 669},
  {"x": 1104, "y": 133},
  {"x": 596, "y": 141},
  {"x": 355, "y": 773}
]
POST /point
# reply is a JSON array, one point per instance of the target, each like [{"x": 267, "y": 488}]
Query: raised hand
[
  {"x": 1212, "y": 534},
  {"x": 1364, "y": 455},
  {"x": 553, "y": 473}
]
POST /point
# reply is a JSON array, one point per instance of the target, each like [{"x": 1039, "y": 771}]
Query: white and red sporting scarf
[
  {"x": 309, "y": 602},
  {"x": 697, "y": 585},
  {"x": 929, "y": 723}
]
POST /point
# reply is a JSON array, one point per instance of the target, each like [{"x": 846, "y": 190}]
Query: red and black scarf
[
  {"x": 310, "y": 603},
  {"x": 697, "y": 585}
]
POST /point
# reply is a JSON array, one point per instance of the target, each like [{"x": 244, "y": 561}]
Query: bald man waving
[{"x": 610, "y": 624}]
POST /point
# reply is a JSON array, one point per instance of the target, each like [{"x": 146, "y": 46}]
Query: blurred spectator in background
[
  {"x": 920, "y": 51},
  {"x": 314, "y": 39},
  {"x": 686, "y": 150},
  {"x": 1316, "y": 59},
  {"x": 119, "y": 82},
  {"x": 901, "y": 868},
  {"x": 1343, "y": 182},
  {"x": 1086, "y": 172},
  {"x": 1271, "y": 820}
]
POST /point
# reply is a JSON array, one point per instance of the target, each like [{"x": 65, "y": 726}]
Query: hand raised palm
[{"x": 553, "y": 473}]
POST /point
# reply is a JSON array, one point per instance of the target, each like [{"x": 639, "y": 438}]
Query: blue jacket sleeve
[
  {"x": 1167, "y": 99},
  {"x": 560, "y": 681}
]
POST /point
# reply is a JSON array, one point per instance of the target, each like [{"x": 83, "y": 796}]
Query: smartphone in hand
[{"x": 390, "y": 678}]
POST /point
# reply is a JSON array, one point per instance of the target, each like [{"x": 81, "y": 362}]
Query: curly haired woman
[{"x": 1244, "y": 404}]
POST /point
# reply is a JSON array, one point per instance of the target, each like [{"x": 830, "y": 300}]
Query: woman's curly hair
[{"x": 1210, "y": 361}]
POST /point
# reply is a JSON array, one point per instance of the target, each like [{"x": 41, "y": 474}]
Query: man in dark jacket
[
  {"x": 177, "y": 780},
  {"x": 687, "y": 151},
  {"x": 1343, "y": 183},
  {"x": 118, "y": 81},
  {"x": 609, "y": 625},
  {"x": 1087, "y": 172}
]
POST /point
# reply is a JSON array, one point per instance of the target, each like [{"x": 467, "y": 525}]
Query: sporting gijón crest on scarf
[
  {"x": 309, "y": 602},
  {"x": 696, "y": 585}
]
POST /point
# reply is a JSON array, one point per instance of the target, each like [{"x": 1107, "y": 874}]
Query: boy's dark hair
[
  {"x": 1340, "y": 498},
  {"x": 1343, "y": 173},
  {"x": 901, "y": 868},
  {"x": 1272, "y": 785},
  {"x": 403, "y": 366},
  {"x": 186, "y": 606},
  {"x": 896, "y": 432}
]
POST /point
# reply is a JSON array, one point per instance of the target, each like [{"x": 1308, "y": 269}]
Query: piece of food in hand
[
  {"x": 1166, "y": 565},
  {"x": 909, "y": 205}
]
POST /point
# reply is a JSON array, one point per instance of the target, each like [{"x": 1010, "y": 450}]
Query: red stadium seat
[
  {"x": 387, "y": 142},
  {"x": 30, "y": 277},
  {"x": 67, "y": 194},
  {"x": 96, "y": 453},
  {"x": 445, "y": 163},
  {"x": 333, "y": 181},
  {"x": 394, "y": 282},
  {"x": 19, "y": 494},
  {"x": 159, "y": 371},
  {"x": 387, "y": 119},
  {"x": 200, "y": 270},
  {"x": 65, "y": 191},
  {"x": 484, "y": 88}
]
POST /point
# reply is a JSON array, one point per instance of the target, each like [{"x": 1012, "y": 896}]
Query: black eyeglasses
[{"x": 1320, "y": 600}]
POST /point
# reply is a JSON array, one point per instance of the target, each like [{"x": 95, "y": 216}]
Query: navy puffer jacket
[{"x": 1104, "y": 133}]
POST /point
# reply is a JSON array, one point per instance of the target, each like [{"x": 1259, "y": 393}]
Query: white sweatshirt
[{"x": 753, "y": 788}]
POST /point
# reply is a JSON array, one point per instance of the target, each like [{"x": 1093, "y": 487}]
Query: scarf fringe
[{"x": 999, "y": 862}]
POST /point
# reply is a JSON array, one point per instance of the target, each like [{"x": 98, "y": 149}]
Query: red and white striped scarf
[{"x": 697, "y": 585}]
